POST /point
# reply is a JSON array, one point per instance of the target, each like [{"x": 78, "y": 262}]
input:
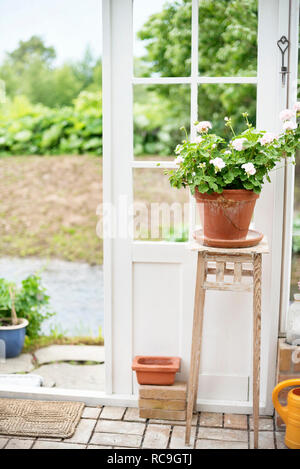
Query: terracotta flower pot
[
  {"x": 226, "y": 216},
  {"x": 156, "y": 370}
]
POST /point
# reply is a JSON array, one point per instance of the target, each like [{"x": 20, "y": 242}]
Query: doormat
[{"x": 53, "y": 419}]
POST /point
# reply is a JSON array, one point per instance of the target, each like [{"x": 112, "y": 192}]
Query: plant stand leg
[
  {"x": 196, "y": 344},
  {"x": 256, "y": 342}
]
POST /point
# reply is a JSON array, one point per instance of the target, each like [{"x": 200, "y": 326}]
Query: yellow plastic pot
[{"x": 290, "y": 413}]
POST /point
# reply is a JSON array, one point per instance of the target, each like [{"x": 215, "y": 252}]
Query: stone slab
[
  {"x": 163, "y": 414},
  {"x": 236, "y": 421},
  {"x": 176, "y": 391},
  {"x": 211, "y": 419},
  {"x": 220, "y": 444},
  {"x": 18, "y": 443},
  {"x": 222, "y": 434},
  {"x": 178, "y": 438},
  {"x": 21, "y": 380},
  {"x": 116, "y": 439},
  {"x": 132, "y": 415},
  {"x": 83, "y": 432},
  {"x": 56, "y": 445},
  {"x": 21, "y": 364},
  {"x": 65, "y": 353},
  {"x": 157, "y": 436},
  {"x": 117, "y": 426},
  {"x": 112, "y": 412},
  {"x": 265, "y": 440},
  {"x": 67, "y": 376}
]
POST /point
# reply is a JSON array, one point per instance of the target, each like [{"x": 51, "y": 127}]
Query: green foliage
[
  {"x": 210, "y": 164},
  {"x": 227, "y": 47},
  {"x": 30, "y": 71},
  {"x": 36, "y": 129},
  {"x": 31, "y": 302}
]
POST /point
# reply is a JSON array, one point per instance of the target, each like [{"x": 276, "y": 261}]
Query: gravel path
[{"x": 75, "y": 290}]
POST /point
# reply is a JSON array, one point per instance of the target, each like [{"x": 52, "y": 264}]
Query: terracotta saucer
[{"x": 252, "y": 239}]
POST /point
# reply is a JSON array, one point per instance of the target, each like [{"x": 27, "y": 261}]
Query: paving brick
[
  {"x": 223, "y": 434},
  {"x": 279, "y": 424},
  {"x": 99, "y": 447},
  {"x": 211, "y": 419},
  {"x": 116, "y": 439},
  {"x": 123, "y": 447},
  {"x": 217, "y": 444},
  {"x": 157, "y": 436},
  {"x": 265, "y": 424},
  {"x": 83, "y": 432},
  {"x": 16, "y": 443},
  {"x": 3, "y": 442},
  {"x": 239, "y": 422},
  {"x": 163, "y": 414},
  {"x": 167, "y": 404},
  {"x": 178, "y": 438},
  {"x": 49, "y": 439},
  {"x": 174, "y": 422},
  {"x": 113, "y": 426},
  {"x": 265, "y": 440},
  {"x": 279, "y": 436},
  {"x": 176, "y": 391},
  {"x": 132, "y": 415},
  {"x": 112, "y": 413},
  {"x": 56, "y": 445},
  {"x": 91, "y": 412}
]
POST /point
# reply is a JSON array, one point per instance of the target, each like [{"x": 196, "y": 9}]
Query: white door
[{"x": 149, "y": 285}]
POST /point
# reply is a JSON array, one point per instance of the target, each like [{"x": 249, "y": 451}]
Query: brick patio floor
[{"x": 120, "y": 427}]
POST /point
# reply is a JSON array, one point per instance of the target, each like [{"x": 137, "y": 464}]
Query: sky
[{"x": 68, "y": 25}]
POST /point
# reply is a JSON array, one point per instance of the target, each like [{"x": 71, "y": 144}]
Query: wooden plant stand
[{"x": 214, "y": 261}]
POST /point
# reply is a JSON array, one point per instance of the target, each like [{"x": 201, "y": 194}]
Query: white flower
[
  {"x": 226, "y": 119},
  {"x": 198, "y": 139},
  {"x": 218, "y": 164},
  {"x": 296, "y": 106},
  {"x": 202, "y": 165},
  {"x": 214, "y": 145},
  {"x": 286, "y": 115},
  {"x": 203, "y": 126},
  {"x": 238, "y": 143},
  {"x": 268, "y": 137},
  {"x": 178, "y": 160},
  {"x": 289, "y": 125},
  {"x": 227, "y": 152},
  {"x": 249, "y": 168}
]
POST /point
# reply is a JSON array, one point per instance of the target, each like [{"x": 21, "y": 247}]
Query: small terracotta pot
[
  {"x": 156, "y": 370},
  {"x": 228, "y": 215}
]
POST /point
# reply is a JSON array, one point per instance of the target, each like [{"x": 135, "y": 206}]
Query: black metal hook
[{"x": 283, "y": 44}]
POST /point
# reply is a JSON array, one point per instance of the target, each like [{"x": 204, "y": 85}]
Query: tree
[
  {"x": 29, "y": 70},
  {"x": 227, "y": 47}
]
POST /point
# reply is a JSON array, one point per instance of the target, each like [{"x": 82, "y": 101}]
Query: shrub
[{"x": 31, "y": 302}]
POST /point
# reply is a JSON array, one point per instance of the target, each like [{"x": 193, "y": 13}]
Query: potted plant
[
  {"x": 226, "y": 178},
  {"x": 22, "y": 311}
]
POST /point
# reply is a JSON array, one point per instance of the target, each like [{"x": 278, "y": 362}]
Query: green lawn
[{"x": 49, "y": 203}]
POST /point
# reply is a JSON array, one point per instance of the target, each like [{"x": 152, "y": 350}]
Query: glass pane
[
  {"x": 227, "y": 38},
  {"x": 162, "y": 38},
  {"x": 159, "y": 112},
  {"x": 215, "y": 102},
  {"x": 295, "y": 274},
  {"x": 160, "y": 212}
]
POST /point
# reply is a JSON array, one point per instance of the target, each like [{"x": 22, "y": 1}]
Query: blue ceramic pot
[{"x": 14, "y": 337}]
